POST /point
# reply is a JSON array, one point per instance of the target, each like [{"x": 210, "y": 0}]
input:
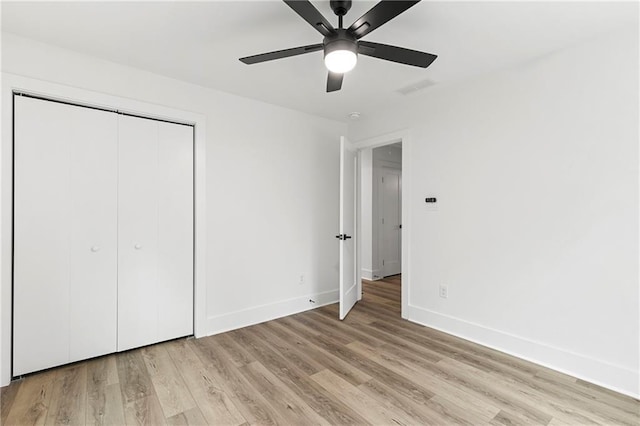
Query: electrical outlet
[
  {"x": 444, "y": 291},
  {"x": 301, "y": 279}
]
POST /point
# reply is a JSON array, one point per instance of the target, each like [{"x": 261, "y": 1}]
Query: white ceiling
[{"x": 200, "y": 42}]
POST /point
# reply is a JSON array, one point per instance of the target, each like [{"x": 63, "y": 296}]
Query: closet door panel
[
  {"x": 175, "y": 230},
  {"x": 41, "y": 235},
  {"x": 137, "y": 232},
  {"x": 93, "y": 239}
]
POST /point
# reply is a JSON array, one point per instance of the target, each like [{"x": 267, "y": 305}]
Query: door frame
[
  {"x": 403, "y": 136},
  {"x": 15, "y": 83}
]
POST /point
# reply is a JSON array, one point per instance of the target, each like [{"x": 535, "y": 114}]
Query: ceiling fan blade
[
  {"x": 310, "y": 14},
  {"x": 396, "y": 54},
  {"x": 279, "y": 54},
  {"x": 334, "y": 81},
  {"x": 379, "y": 15}
]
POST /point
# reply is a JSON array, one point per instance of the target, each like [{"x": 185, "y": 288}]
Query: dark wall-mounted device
[{"x": 430, "y": 200}]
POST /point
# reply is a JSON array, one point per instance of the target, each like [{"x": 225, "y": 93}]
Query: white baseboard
[
  {"x": 367, "y": 274},
  {"x": 262, "y": 313},
  {"x": 372, "y": 274},
  {"x": 610, "y": 376}
]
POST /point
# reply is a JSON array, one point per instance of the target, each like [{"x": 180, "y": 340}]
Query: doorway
[{"x": 381, "y": 220}]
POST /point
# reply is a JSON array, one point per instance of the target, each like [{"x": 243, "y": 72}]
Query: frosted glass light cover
[{"x": 340, "y": 61}]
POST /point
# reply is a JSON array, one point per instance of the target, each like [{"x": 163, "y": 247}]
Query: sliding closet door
[
  {"x": 65, "y": 216},
  {"x": 155, "y": 232}
]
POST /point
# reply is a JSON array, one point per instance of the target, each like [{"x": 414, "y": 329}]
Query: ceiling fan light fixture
[
  {"x": 340, "y": 61},
  {"x": 340, "y": 53}
]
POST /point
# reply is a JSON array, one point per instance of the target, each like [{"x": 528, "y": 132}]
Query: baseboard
[
  {"x": 372, "y": 274},
  {"x": 610, "y": 376},
  {"x": 262, "y": 313},
  {"x": 367, "y": 274}
]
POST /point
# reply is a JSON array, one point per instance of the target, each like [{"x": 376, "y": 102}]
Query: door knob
[
  {"x": 137, "y": 246},
  {"x": 95, "y": 249}
]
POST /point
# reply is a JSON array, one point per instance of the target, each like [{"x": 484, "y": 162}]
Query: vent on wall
[{"x": 415, "y": 87}]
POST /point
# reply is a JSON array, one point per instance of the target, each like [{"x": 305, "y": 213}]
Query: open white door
[{"x": 348, "y": 276}]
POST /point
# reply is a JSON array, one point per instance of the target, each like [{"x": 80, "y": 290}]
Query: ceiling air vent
[{"x": 415, "y": 87}]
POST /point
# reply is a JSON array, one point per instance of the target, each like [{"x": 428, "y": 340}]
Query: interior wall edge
[{"x": 601, "y": 373}]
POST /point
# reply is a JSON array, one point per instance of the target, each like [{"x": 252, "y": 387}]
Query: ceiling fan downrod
[{"x": 340, "y": 8}]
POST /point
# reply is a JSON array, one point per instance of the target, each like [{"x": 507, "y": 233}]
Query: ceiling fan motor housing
[
  {"x": 340, "y": 7},
  {"x": 342, "y": 40}
]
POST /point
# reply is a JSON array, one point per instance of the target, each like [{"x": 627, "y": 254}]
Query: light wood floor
[{"x": 310, "y": 368}]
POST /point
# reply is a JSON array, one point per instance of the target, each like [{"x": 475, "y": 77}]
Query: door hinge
[
  {"x": 382, "y": 262},
  {"x": 382, "y": 179},
  {"x": 383, "y": 220}
]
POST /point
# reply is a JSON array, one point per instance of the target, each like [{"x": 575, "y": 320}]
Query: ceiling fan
[{"x": 341, "y": 46}]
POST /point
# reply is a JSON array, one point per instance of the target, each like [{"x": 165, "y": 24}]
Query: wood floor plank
[
  {"x": 380, "y": 312},
  {"x": 321, "y": 356},
  {"x": 145, "y": 411},
  {"x": 238, "y": 355},
  {"x": 374, "y": 411},
  {"x": 253, "y": 407},
  {"x": 576, "y": 410},
  {"x": 391, "y": 342},
  {"x": 351, "y": 332},
  {"x": 300, "y": 360},
  {"x": 133, "y": 376},
  {"x": 478, "y": 407},
  {"x": 297, "y": 379},
  {"x": 383, "y": 294},
  {"x": 318, "y": 323},
  {"x": 520, "y": 400},
  {"x": 625, "y": 402},
  {"x": 506, "y": 418},
  {"x": 112, "y": 409},
  {"x": 104, "y": 398},
  {"x": 173, "y": 394},
  {"x": 7, "y": 397},
  {"x": 561, "y": 387},
  {"x": 214, "y": 404},
  {"x": 381, "y": 372},
  {"x": 378, "y": 297},
  {"x": 68, "y": 397},
  {"x": 287, "y": 403},
  {"x": 191, "y": 417},
  {"x": 31, "y": 403},
  {"x": 254, "y": 341},
  {"x": 422, "y": 411}
]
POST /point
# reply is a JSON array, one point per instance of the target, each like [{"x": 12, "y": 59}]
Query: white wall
[
  {"x": 536, "y": 230},
  {"x": 271, "y": 188}
]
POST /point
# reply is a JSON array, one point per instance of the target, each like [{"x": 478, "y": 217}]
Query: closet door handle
[
  {"x": 137, "y": 246},
  {"x": 95, "y": 249}
]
